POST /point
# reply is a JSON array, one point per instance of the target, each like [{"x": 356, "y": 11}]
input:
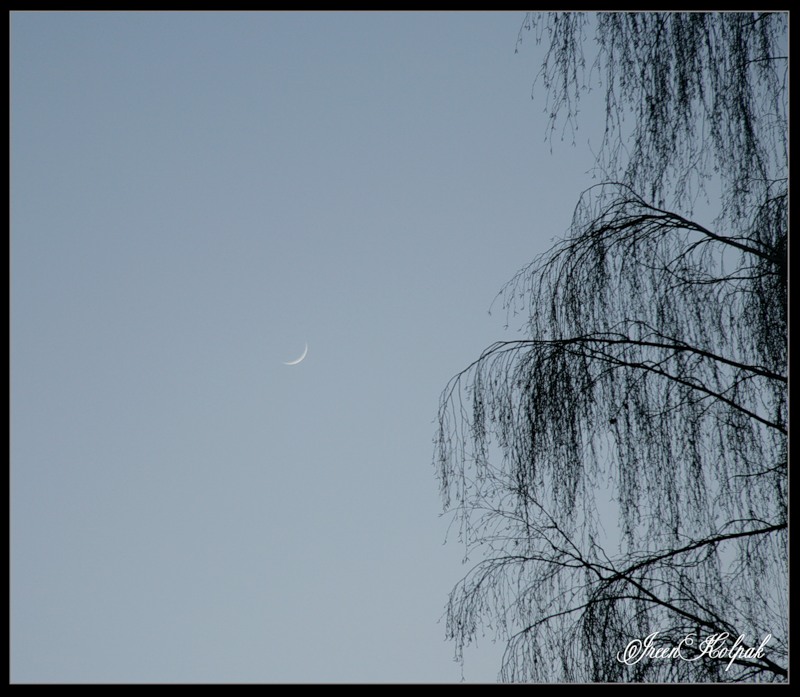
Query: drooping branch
[
  {"x": 691, "y": 383},
  {"x": 645, "y": 407},
  {"x": 702, "y": 97}
]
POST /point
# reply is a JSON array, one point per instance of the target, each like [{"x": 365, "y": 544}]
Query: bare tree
[{"x": 622, "y": 469}]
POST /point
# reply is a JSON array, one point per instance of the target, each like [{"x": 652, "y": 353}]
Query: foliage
[{"x": 651, "y": 386}]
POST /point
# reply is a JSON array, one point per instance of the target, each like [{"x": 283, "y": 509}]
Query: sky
[{"x": 194, "y": 198}]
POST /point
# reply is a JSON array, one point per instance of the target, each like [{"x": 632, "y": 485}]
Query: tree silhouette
[{"x": 622, "y": 469}]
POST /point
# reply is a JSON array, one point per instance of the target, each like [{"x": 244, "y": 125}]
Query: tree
[{"x": 622, "y": 469}]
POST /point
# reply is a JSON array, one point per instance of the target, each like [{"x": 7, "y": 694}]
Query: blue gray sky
[{"x": 194, "y": 196}]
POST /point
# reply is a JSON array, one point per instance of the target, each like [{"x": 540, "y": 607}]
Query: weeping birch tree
[{"x": 621, "y": 469}]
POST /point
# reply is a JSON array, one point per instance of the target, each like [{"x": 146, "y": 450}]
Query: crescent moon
[{"x": 297, "y": 360}]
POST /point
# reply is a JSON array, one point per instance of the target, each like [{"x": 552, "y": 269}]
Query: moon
[{"x": 298, "y": 360}]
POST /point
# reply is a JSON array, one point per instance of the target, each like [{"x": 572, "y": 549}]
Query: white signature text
[{"x": 715, "y": 646}]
